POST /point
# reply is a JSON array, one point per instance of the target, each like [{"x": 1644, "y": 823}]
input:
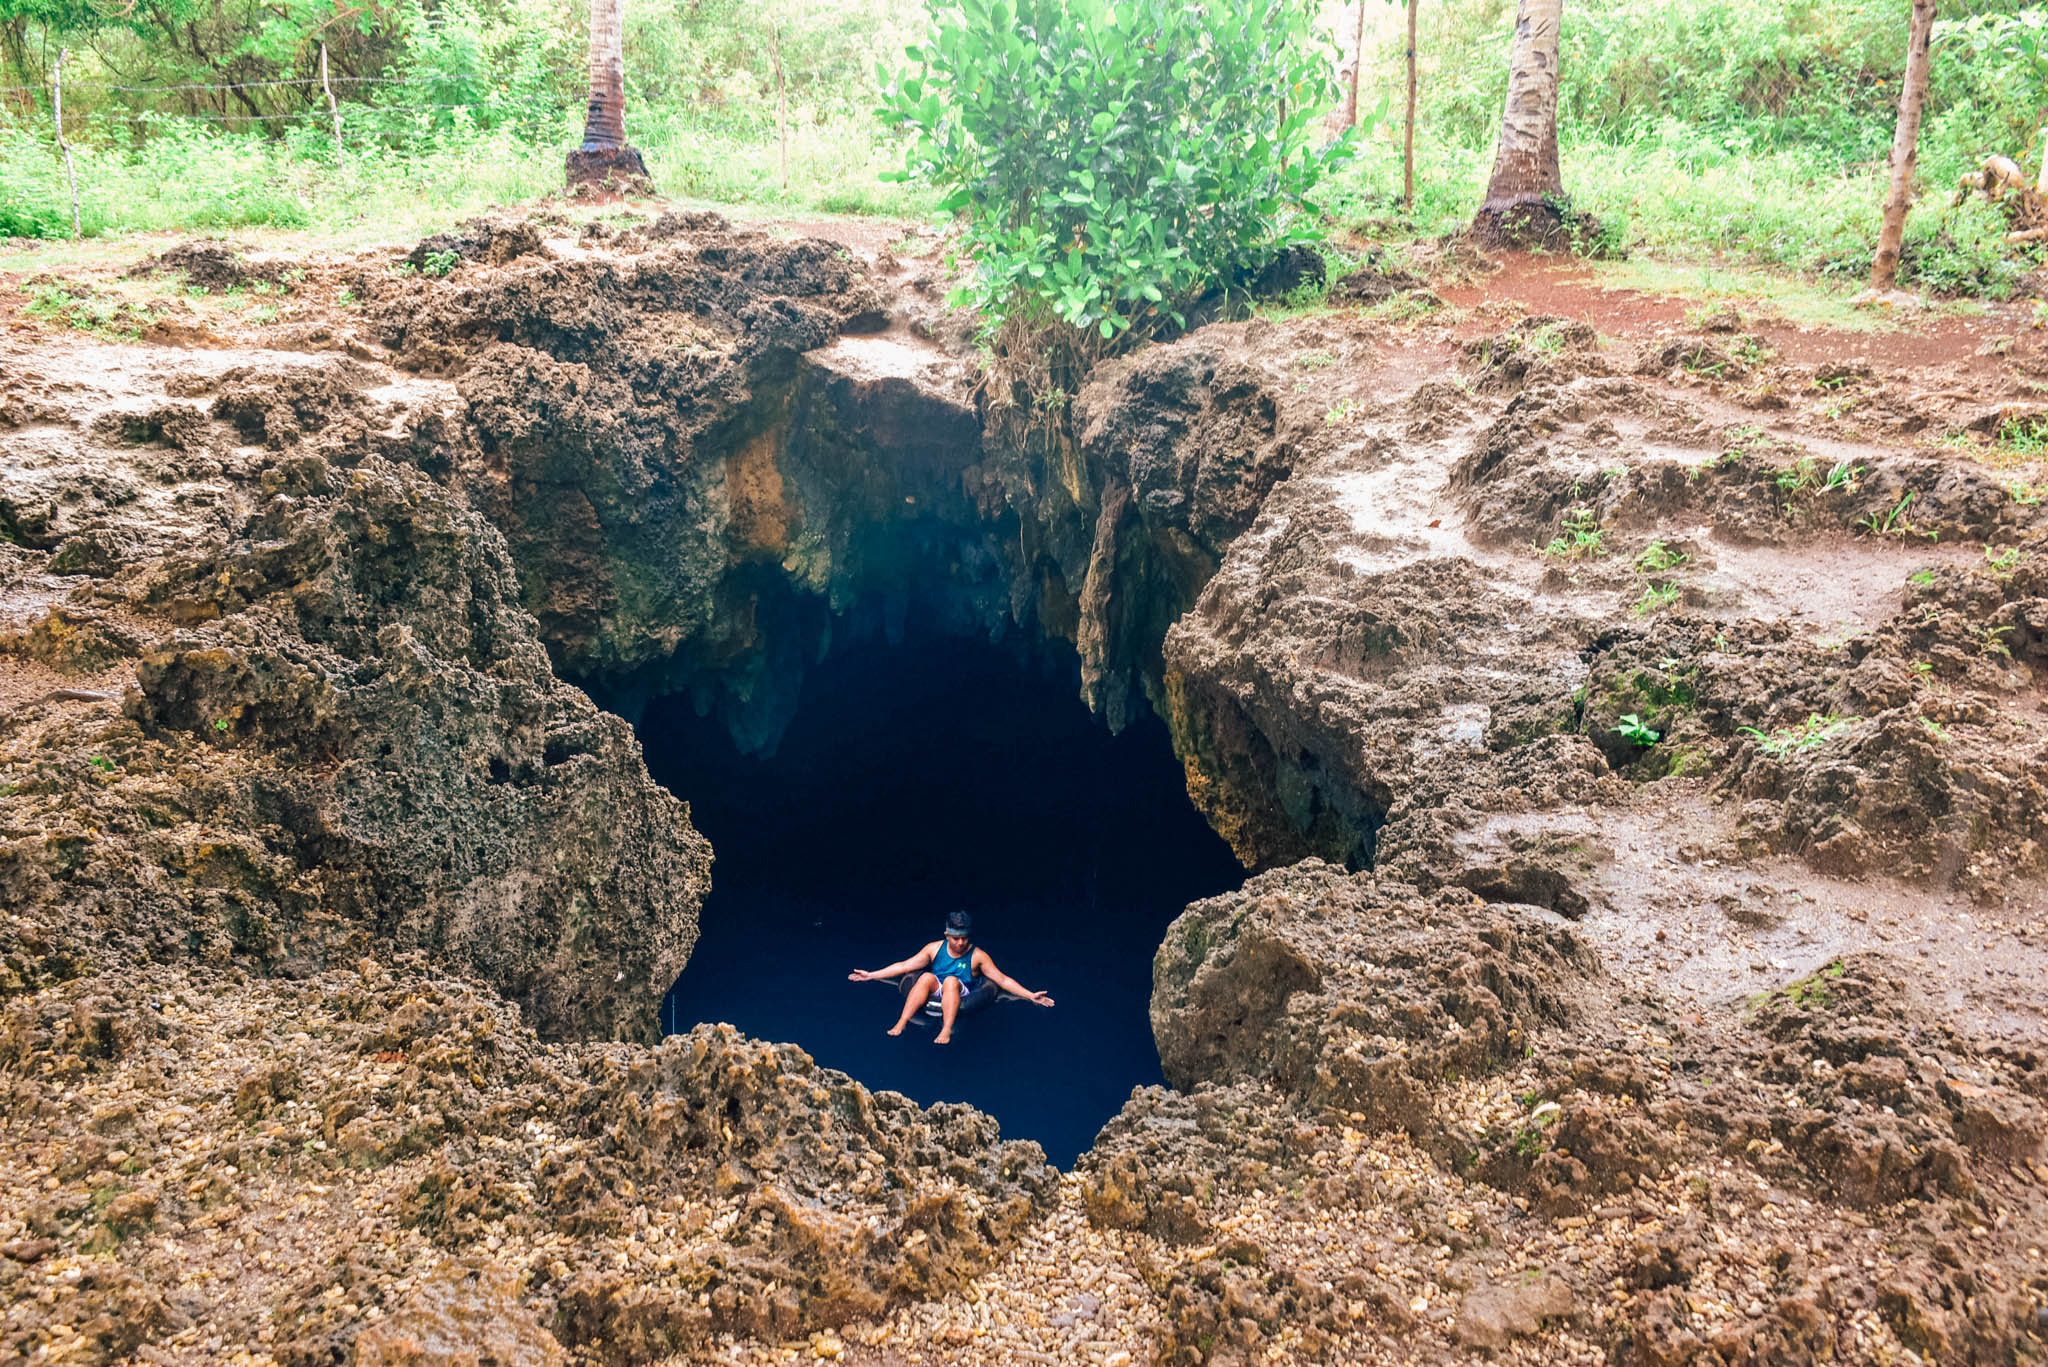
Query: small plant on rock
[
  {"x": 1634, "y": 730},
  {"x": 1810, "y": 993},
  {"x": 1884, "y": 524},
  {"x": 1659, "y": 558},
  {"x": 1802, "y": 474},
  {"x": 1656, "y": 597},
  {"x": 2024, "y": 436},
  {"x": 1580, "y": 536},
  {"x": 1841, "y": 475},
  {"x": 1751, "y": 351},
  {"x": 1817, "y": 730},
  {"x": 1836, "y": 409},
  {"x": 1739, "y": 443}
]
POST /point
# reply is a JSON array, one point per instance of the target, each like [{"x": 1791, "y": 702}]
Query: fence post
[
  {"x": 57, "y": 111},
  {"x": 332, "y": 107}
]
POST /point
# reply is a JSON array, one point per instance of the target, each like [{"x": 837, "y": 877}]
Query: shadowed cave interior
[{"x": 920, "y": 777}]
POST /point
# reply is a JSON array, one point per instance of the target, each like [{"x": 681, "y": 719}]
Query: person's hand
[
  {"x": 1041, "y": 998},
  {"x": 860, "y": 975}
]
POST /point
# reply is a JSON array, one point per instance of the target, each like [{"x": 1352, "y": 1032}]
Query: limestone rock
[
  {"x": 1353, "y": 993},
  {"x": 1492, "y": 1315},
  {"x": 360, "y": 743},
  {"x": 460, "y": 1315}
]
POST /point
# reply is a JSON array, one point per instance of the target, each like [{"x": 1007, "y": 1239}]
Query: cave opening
[{"x": 913, "y": 779}]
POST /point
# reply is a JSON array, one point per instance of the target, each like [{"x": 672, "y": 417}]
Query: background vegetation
[
  {"x": 1115, "y": 161},
  {"x": 1753, "y": 129}
]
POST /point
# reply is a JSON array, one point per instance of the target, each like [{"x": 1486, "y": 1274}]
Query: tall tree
[
  {"x": 1523, "y": 196},
  {"x": 1349, "y": 118},
  {"x": 1884, "y": 271},
  {"x": 1408, "y": 134},
  {"x": 605, "y": 155}
]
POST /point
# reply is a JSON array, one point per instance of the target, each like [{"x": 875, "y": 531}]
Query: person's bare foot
[
  {"x": 897, "y": 1028},
  {"x": 944, "y": 1037}
]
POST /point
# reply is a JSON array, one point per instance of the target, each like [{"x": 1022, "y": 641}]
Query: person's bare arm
[
  {"x": 988, "y": 969},
  {"x": 922, "y": 959}
]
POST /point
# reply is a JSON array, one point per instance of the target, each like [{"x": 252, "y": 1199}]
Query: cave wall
[
  {"x": 711, "y": 468},
  {"x": 343, "y": 742},
  {"x": 1126, "y": 501}
]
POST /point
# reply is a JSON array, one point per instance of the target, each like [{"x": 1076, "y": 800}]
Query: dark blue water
[{"x": 917, "y": 779}]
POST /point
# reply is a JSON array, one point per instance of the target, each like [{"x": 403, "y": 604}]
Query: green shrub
[{"x": 1115, "y": 161}]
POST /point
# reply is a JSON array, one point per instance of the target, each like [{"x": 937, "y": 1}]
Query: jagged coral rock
[
  {"x": 1354, "y": 995},
  {"x": 365, "y": 747}
]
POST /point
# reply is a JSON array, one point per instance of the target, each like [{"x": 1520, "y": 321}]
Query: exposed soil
[
  {"x": 1636, "y": 720},
  {"x": 1540, "y": 285}
]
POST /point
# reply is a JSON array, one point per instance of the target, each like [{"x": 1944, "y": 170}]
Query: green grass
[
  {"x": 2023, "y": 436},
  {"x": 1755, "y": 289},
  {"x": 89, "y": 310},
  {"x": 189, "y": 178},
  {"x": 1778, "y": 233},
  {"x": 1743, "y": 225},
  {"x": 1716, "y": 129},
  {"x": 1740, "y": 146}
]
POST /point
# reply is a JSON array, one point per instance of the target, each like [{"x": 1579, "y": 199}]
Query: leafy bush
[{"x": 1115, "y": 161}]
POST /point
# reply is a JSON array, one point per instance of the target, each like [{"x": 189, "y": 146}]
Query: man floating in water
[{"x": 953, "y": 968}]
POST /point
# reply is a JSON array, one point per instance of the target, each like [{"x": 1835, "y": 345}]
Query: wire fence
[
  {"x": 321, "y": 112},
  {"x": 226, "y": 86}
]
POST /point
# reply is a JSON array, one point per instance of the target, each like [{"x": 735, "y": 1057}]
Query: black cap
[{"x": 960, "y": 923}]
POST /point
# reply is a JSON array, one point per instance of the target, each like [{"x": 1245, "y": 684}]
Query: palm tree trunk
[
  {"x": 605, "y": 154},
  {"x": 1884, "y": 271},
  {"x": 1525, "y": 169},
  {"x": 605, "y": 128}
]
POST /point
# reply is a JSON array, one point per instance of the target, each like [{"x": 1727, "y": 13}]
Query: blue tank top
[{"x": 948, "y": 966}]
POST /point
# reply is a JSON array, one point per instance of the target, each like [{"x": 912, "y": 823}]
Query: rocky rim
[{"x": 1638, "y": 742}]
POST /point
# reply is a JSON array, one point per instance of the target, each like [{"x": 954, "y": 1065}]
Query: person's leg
[
  {"x": 914, "y": 1000},
  {"x": 949, "y": 1008}
]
